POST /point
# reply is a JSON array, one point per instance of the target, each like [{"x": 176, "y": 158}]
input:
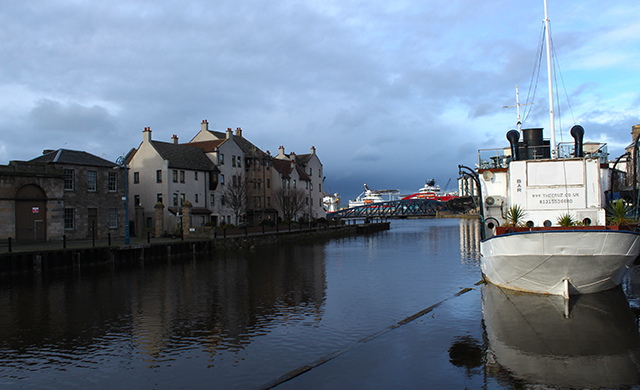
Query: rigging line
[
  {"x": 564, "y": 87},
  {"x": 535, "y": 75}
]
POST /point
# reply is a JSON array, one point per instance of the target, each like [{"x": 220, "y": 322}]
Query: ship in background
[{"x": 432, "y": 191}]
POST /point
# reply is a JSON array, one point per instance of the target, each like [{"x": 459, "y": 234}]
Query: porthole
[
  {"x": 547, "y": 223},
  {"x": 530, "y": 224},
  {"x": 490, "y": 225},
  {"x": 586, "y": 221}
]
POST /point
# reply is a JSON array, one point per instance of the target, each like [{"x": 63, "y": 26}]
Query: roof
[
  {"x": 302, "y": 174},
  {"x": 248, "y": 148},
  {"x": 283, "y": 166},
  {"x": 208, "y": 146},
  {"x": 75, "y": 157},
  {"x": 184, "y": 156},
  {"x": 303, "y": 159}
]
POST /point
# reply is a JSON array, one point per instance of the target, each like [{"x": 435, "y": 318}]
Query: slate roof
[
  {"x": 302, "y": 174},
  {"x": 76, "y": 157},
  {"x": 184, "y": 156},
  {"x": 248, "y": 148},
  {"x": 282, "y": 166},
  {"x": 208, "y": 146}
]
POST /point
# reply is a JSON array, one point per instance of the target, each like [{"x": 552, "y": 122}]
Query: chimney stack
[
  {"x": 174, "y": 139},
  {"x": 229, "y": 133},
  {"x": 313, "y": 150},
  {"x": 146, "y": 134},
  {"x": 205, "y": 125},
  {"x": 239, "y": 132}
]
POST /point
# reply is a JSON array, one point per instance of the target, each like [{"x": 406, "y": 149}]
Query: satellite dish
[{"x": 487, "y": 175}]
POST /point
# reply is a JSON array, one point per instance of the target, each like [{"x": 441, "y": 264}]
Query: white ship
[
  {"x": 370, "y": 196},
  {"x": 546, "y": 184}
]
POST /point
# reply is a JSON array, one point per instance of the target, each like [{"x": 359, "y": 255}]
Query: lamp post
[{"x": 122, "y": 163}]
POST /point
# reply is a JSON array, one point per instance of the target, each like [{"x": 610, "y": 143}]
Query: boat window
[
  {"x": 586, "y": 222},
  {"x": 547, "y": 223}
]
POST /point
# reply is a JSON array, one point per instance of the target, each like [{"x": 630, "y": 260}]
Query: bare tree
[
  {"x": 291, "y": 201},
  {"x": 235, "y": 196}
]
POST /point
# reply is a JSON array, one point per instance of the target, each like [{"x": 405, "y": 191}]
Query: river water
[{"x": 398, "y": 309}]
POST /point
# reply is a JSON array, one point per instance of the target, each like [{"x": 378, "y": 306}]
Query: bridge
[{"x": 393, "y": 209}]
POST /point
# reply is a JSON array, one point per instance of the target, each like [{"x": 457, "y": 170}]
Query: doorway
[{"x": 31, "y": 214}]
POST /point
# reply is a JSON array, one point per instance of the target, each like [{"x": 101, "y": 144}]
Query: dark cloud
[{"x": 395, "y": 92}]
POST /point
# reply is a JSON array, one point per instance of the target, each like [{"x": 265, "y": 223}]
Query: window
[
  {"x": 235, "y": 180},
  {"x": 268, "y": 201},
  {"x": 306, "y": 185},
  {"x": 294, "y": 183},
  {"x": 159, "y": 176},
  {"x": 175, "y": 200},
  {"x": 69, "y": 179},
  {"x": 195, "y": 175},
  {"x": 239, "y": 162},
  {"x": 158, "y": 198},
  {"x": 136, "y": 200},
  {"x": 222, "y": 179},
  {"x": 136, "y": 177},
  {"x": 182, "y": 199},
  {"x": 268, "y": 183},
  {"x": 181, "y": 176},
  {"x": 311, "y": 184},
  {"x": 113, "y": 181},
  {"x": 92, "y": 180},
  {"x": 258, "y": 202},
  {"x": 196, "y": 199},
  {"x": 233, "y": 161},
  {"x": 175, "y": 175},
  {"x": 267, "y": 164},
  {"x": 257, "y": 165},
  {"x": 113, "y": 218},
  {"x": 69, "y": 219},
  {"x": 310, "y": 171},
  {"x": 222, "y": 200},
  {"x": 221, "y": 159},
  {"x": 212, "y": 199},
  {"x": 320, "y": 187}
]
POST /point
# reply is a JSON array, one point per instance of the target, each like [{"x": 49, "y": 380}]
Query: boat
[
  {"x": 331, "y": 203},
  {"x": 431, "y": 191},
  {"x": 543, "y": 210},
  {"x": 370, "y": 196}
]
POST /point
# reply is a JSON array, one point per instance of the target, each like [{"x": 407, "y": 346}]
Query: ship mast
[
  {"x": 554, "y": 153},
  {"x": 518, "y": 107}
]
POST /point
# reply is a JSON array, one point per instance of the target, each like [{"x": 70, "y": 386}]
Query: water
[{"x": 253, "y": 319}]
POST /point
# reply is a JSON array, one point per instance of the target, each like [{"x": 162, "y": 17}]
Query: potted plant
[
  {"x": 566, "y": 220},
  {"x": 515, "y": 216},
  {"x": 618, "y": 211}
]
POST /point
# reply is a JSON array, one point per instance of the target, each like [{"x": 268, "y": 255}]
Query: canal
[{"x": 398, "y": 309}]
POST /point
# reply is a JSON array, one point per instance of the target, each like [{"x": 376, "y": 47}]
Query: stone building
[
  {"x": 93, "y": 193},
  {"x": 31, "y": 202}
]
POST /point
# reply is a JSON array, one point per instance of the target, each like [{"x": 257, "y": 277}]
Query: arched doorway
[{"x": 31, "y": 214}]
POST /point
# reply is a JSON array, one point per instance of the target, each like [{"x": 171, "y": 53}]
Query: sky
[{"x": 391, "y": 93}]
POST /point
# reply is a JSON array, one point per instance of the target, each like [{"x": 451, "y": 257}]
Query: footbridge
[{"x": 393, "y": 209}]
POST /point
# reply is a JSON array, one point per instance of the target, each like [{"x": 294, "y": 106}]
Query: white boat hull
[{"x": 559, "y": 262}]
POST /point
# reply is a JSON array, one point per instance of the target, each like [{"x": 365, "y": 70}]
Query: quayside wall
[{"x": 42, "y": 260}]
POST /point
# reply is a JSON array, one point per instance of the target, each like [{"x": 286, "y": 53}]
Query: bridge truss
[{"x": 393, "y": 209}]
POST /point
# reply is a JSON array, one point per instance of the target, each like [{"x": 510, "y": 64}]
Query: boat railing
[
  {"x": 493, "y": 158},
  {"x": 590, "y": 149}
]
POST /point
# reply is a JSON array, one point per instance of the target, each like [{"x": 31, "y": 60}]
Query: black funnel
[
  {"x": 513, "y": 136},
  {"x": 577, "y": 132}
]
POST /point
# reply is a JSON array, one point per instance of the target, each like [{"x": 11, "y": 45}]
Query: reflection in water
[
  {"x": 158, "y": 312},
  {"x": 470, "y": 241},
  {"x": 530, "y": 337}
]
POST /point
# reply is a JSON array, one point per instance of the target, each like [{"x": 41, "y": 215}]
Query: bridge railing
[{"x": 392, "y": 209}]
